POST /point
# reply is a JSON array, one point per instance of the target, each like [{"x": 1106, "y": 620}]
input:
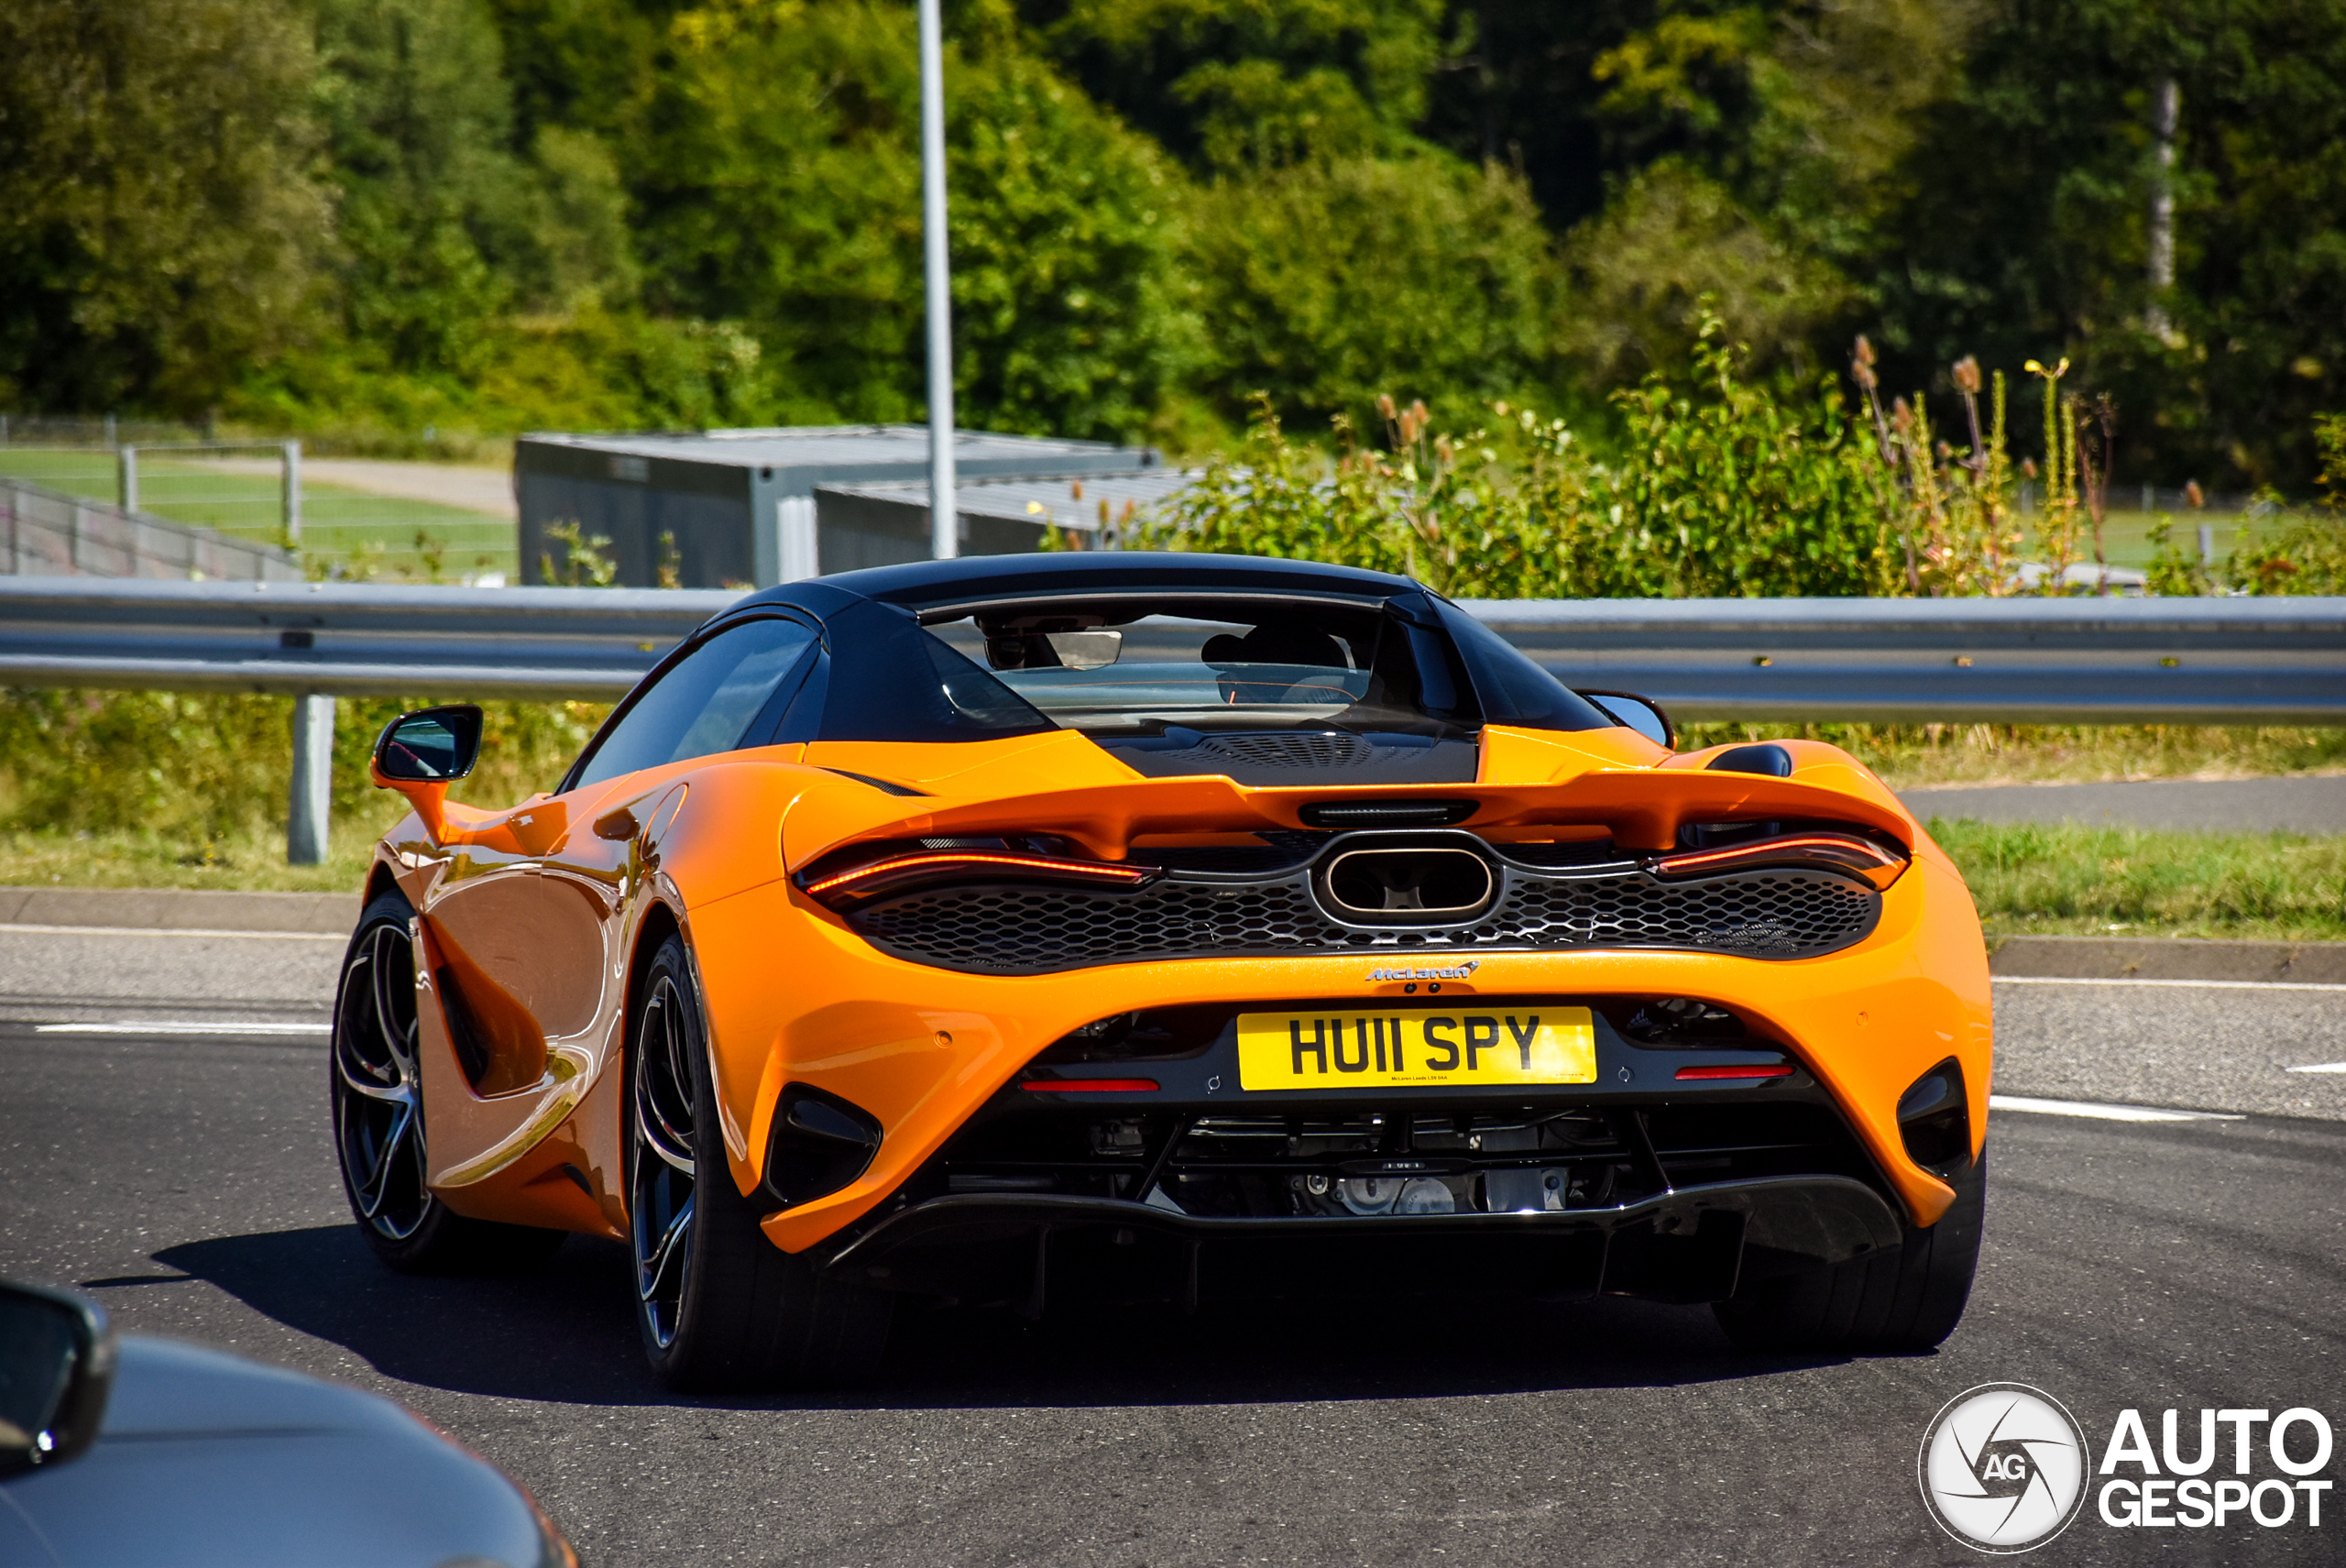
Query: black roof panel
[{"x": 920, "y": 584}]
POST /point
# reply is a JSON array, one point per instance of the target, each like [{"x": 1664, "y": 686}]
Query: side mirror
[
  {"x": 1640, "y": 714},
  {"x": 56, "y": 1370},
  {"x": 420, "y": 755}
]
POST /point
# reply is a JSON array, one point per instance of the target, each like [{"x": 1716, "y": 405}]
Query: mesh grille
[
  {"x": 1007, "y": 930},
  {"x": 1336, "y": 749},
  {"x": 1778, "y": 913}
]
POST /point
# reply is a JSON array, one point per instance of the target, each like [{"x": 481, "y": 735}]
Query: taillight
[
  {"x": 1843, "y": 852},
  {"x": 902, "y": 868}
]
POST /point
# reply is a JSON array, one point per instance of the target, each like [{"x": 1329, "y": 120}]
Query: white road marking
[
  {"x": 229, "y": 1026},
  {"x": 167, "y": 931},
  {"x": 2102, "y": 1112},
  {"x": 2203, "y": 985},
  {"x": 2322, "y": 1067}
]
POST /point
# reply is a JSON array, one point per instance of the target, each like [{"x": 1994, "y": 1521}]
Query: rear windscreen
[{"x": 1133, "y": 668}]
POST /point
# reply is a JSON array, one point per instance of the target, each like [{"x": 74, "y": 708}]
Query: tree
[
  {"x": 1329, "y": 282},
  {"x": 446, "y": 222},
  {"x": 2064, "y": 98},
  {"x": 1232, "y": 84},
  {"x": 779, "y": 183},
  {"x": 159, "y": 216}
]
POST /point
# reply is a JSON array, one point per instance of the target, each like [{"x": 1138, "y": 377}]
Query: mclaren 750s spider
[{"x": 1124, "y": 927}]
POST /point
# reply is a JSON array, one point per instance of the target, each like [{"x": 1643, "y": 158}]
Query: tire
[
  {"x": 721, "y": 1306},
  {"x": 376, "y": 1094},
  {"x": 1899, "y": 1303}
]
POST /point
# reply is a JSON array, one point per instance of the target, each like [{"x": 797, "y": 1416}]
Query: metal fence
[
  {"x": 2169, "y": 661},
  {"x": 259, "y": 492},
  {"x": 46, "y": 532}
]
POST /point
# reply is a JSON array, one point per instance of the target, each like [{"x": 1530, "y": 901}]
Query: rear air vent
[
  {"x": 1332, "y": 748},
  {"x": 1283, "y": 758}
]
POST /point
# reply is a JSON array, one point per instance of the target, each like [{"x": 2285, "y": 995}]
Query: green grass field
[
  {"x": 345, "y": 533},
  {"x": 2029, "y": 878}
]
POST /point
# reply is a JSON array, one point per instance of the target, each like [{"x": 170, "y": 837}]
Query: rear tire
[
  {"x": 1897, "y": 1303},
  {"x": 719, "y": 1305},
  {"x": 376, "y": 1092}
]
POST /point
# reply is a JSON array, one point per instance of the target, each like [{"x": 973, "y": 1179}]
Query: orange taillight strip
[
  {"x": 1124, "y": 876},
  {"x": 1861, "y": 856}
]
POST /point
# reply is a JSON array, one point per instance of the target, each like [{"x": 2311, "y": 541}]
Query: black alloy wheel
[
  {"x": 377, "y": 1101},
  {"x": 661, "y": 1176},
  {"x": 721, "y": 1306}
]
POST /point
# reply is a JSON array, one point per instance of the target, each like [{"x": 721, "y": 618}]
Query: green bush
[{"x": 1720, "y": 487}]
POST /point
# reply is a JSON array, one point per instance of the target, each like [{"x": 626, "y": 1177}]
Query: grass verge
[
  {"x": 237, "y": 862},
  {"x": 2031, "y": 879}
]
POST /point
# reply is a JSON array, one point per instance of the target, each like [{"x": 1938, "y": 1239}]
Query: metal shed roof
[
  {"x": 825, "y": 445},
  {"x": 1062, "y": 500}
]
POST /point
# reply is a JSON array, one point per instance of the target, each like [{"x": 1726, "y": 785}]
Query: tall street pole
[{"x": 945, "y": 541}]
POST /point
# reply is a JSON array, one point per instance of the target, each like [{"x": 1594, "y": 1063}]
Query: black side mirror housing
[
  {"x": 56, "y": 1357},
  {"x": 432, "y": 745},
  {"x": 1641, "y": 713}
]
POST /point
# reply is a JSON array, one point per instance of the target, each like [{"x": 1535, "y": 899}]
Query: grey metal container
[{"x": 737, "y": 507}]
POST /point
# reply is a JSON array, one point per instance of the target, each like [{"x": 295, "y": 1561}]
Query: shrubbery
[{"x": 1713, "y": 485}]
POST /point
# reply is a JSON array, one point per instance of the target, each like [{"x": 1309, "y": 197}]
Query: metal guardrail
[
  {"x": 2084, "y": 660},
  {"x": 341, "y": 638},
  {"x": 2017, "y": 661},
  {"x": 2093, "y": 661}
]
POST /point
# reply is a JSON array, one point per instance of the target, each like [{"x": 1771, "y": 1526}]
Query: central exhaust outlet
[{"x": 1407, "y": 886}]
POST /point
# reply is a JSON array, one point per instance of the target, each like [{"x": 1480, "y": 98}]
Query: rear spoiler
[{"x": 1641, "y": 808}]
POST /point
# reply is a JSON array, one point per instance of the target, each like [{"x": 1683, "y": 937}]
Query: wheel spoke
[
  {"x": 659, "y": 1277},
  {"x": 397, "y": 1093},
  {"x": 385, "y": 1156},
  {"x": 394, "y": 992}
]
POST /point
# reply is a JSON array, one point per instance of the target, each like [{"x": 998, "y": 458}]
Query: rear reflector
[
  {"x": 1748, "y": 1069},
  {"x": 1089, "y": 1086}
]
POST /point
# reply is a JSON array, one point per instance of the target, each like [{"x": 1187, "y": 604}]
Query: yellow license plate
[{"x": 1460, "y": 1045}]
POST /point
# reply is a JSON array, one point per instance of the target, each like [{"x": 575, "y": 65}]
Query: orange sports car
[{"x": 1121, "y": 926}]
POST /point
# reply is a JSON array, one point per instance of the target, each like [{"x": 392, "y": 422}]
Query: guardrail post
[
  {"x": 293, "y": 495},
  {"x": 126, "y": 464},
  {"x": 312, "y": 804}
]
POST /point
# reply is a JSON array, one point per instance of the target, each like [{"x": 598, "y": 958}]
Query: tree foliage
[
  {"x": 501, "y": 212},
  {"x": 159, "y": 218},
  {"x": 780, "y": 183}
]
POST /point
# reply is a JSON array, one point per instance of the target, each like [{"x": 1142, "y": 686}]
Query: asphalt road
[
  {"x": 186, "y": 1180},
  {"x": 2312, "y": 803}
]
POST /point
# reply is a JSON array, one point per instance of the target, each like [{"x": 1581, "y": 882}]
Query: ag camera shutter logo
[{"x": 2003, "y": 1468}]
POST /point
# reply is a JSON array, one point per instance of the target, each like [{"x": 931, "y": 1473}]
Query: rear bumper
[{"x": 1693, "y": 1243}]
